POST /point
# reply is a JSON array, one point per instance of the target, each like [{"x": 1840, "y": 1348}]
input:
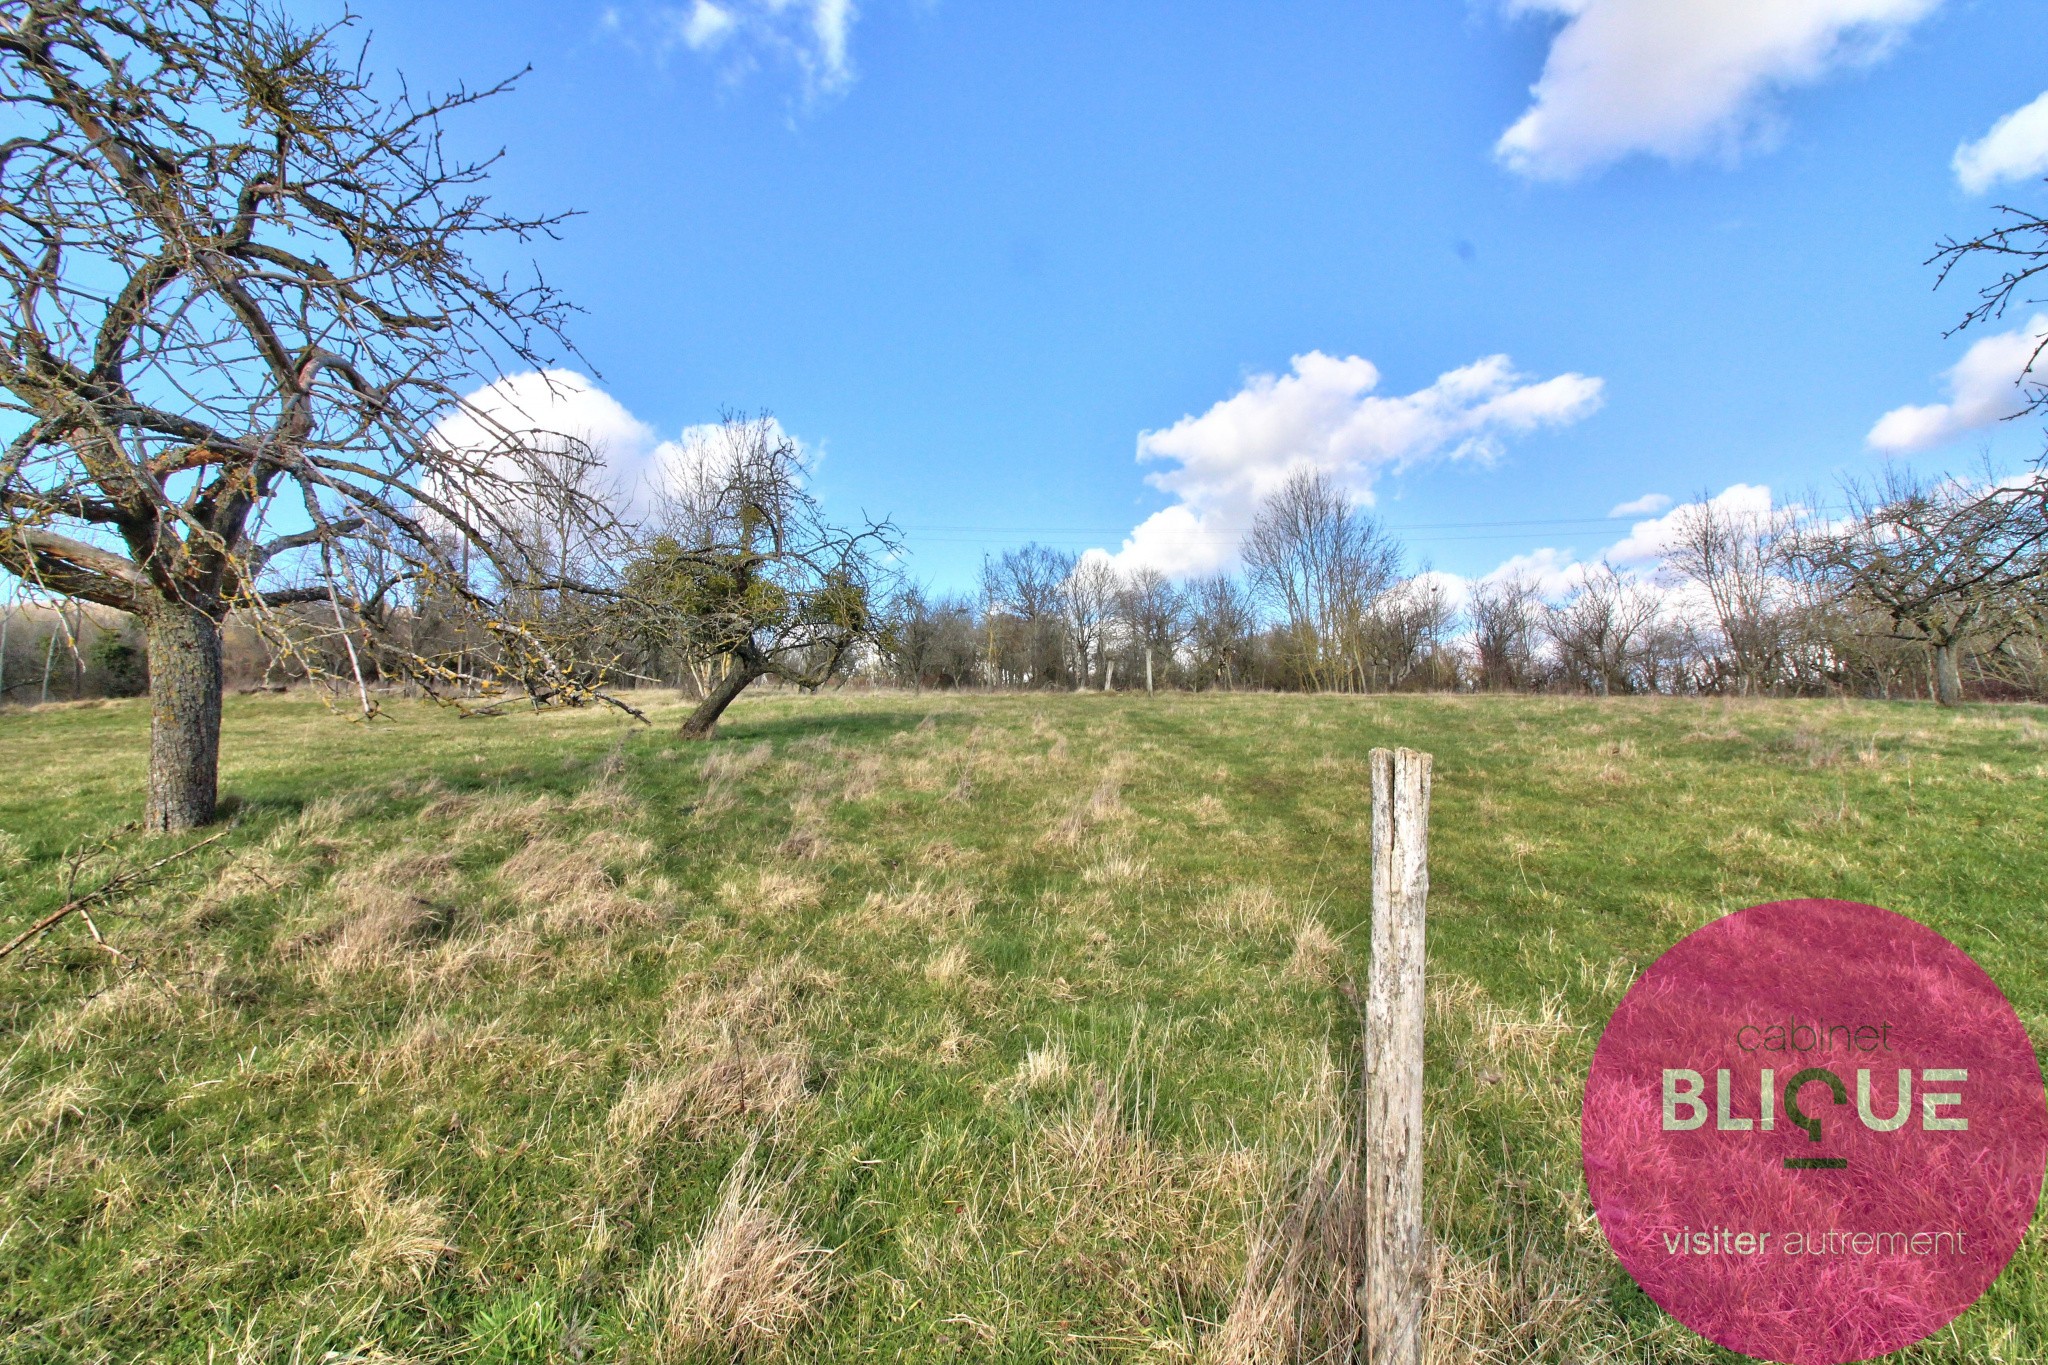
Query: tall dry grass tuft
[
  {"x": 743, "y": 1287},
  {"x": 402, "y": 899},
  {"x": 572, "y": 887},
  {"x": 1104, "y": 804},
  {"x": 1316, "y": 950},
  {"x": 807, "y": 838},
  {"x": 724, "y": 770},
  {"x": 864, "y": 780},
  {"x": 730, "y": 1059},
  {"x": 1297, "y": 1303},
  {"x": 923, "y": 904},
  {"x": 404, "y": 1236}
]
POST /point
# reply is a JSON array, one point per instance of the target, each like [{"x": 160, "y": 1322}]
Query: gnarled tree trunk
[
  {"x": 184, "y": 718},
  {"x": 704, "y": 719}
]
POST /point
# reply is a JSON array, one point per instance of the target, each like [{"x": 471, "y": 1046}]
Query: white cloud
[
  {"x": 1682, "y": 79},
  {"x": 557, "y": 401},
  {"x": 2016, "y": 148},
  {"x": 1648, "y": 505},
  {"x": 1647, "y": 542},
  {"x": 1554, "y": 572},
  {"x": 1639, "y": 554},
  {"x": 706, "y": 25},
  {"x": 637, "y": 460},
  {"x": 812, "y": 36},
  {"x": 1323, "y": 414},
  {"x": 1989, "y": 384}
]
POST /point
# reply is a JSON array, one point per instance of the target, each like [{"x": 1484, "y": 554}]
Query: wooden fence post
[{"x": 1396, "y": 1241}]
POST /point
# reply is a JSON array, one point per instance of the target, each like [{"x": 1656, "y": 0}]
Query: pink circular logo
[{"x": 1814, "y": 1132}]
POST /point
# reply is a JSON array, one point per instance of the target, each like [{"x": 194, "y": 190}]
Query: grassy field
[{"x": 885, "y": 1027}]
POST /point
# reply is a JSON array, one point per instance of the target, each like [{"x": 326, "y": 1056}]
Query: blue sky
[{"x": 971, "y": 254}]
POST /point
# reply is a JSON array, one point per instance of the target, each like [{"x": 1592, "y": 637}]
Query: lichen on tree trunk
[{"x": 184, "y": 718}]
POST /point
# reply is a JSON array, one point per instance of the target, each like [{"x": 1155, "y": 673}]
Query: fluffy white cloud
[
  {"x": 1648, "y": 505},
  {"x": 560, "y": 402},
  {"x": 705, "y": 25},
  {"x": 814, "y": 36},
  {"x": 1989, "y": 384},
  {"x": 2016, "y": 148},
  {"x": 1682, "y": 78},
  {"x": 1640, "y": 554},
  {"x": 1324, "y": 414},
  {"x": 638, "y": 462},
  {"x": 1554, "y": 572},
  {"x": 1647, "y": 542}
]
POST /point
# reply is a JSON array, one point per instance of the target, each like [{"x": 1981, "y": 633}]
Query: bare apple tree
[
  {"x": 237, "y": 287},
  {"x": 1948, "y": 565}
]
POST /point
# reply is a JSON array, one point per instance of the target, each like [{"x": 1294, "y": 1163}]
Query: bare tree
[
  {"x": 1321, "y": 561},
  {"x": 1153, "y": 615},
  {"x": 1945, "y": 564},
  {"x": 1507, "y": 623},
  {"x": 1738, "y": 557},
  {"x": 1604, "y": 633},
  {"x": 1024, "y": 601},
  {"x": 746, "y": 571},
  {"x": 1404, "y": 634},
  {"x": 1222, "y": 629},
  {"x": 236, "y": 290},
  {"x": 1089, "y": 599}
]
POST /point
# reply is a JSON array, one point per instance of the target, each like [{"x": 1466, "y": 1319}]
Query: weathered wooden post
[{"x": 1396, "y": 1286}]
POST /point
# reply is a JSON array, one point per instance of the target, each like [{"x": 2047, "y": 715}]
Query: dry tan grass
[
  {"x": 1209, "y": 811},
  {"x": 807, "y": 839},
  {"x": 321, "y": 819},
  {"x": 397, "y": 901},
  {"x": 732, "y": 1082},
  {"x": 1249, "y": 910},
  {"x": 731, "y": 1057},
  {"x": 744, "y": 1286},
  {"x": 575, "y": 887},
  {"x": 952, "y": 965},
  {"x": 1104, "y": 804},
  {"x": 136, "y": 1003},
  {"x": 771, "y": 890},
  {"x": 1169, "y": 1214},
  {"x": 922, "y": 904},
  {"x": 47, "y": 1109},
  {"x": 12, "y": 856},
  {"x": 256, "y": 872},
  {"x": 432, "y": 1044},
  {"x": 404, "y": 1235},
  {"x": 1294, "y": 1304},
  {"x": 607, "y": 798},
  {"x": 1316, "y": 950},
  {"x": 724, "y": 770},
  {"x": 864, "y": 780},
  {"x": 1043, "y": 1067},
  {"x": 1116, "y": 867},
  {"x": 501, "y": 813}
]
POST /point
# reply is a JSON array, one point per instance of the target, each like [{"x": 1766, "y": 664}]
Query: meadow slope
[{"x": 893, "y": 1027}]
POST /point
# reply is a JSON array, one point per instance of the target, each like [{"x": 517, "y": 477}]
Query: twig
[{"x": 114, "y": 885}]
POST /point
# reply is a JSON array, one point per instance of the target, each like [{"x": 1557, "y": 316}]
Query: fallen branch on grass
[{"x": 124, "y": 882}]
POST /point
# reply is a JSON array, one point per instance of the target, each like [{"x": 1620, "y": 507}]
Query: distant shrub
[{"x": 121, "y": 662}]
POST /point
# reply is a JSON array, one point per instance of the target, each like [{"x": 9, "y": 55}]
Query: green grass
[{"x": 951, "y": 1028}]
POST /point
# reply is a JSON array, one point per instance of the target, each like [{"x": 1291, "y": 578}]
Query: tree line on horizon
[{"x": 1926, "y": 588}]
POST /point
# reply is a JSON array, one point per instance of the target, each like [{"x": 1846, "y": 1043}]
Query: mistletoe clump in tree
[
  {"x": 745, "y": 574},
  {"x": 237, "y": 291}
]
